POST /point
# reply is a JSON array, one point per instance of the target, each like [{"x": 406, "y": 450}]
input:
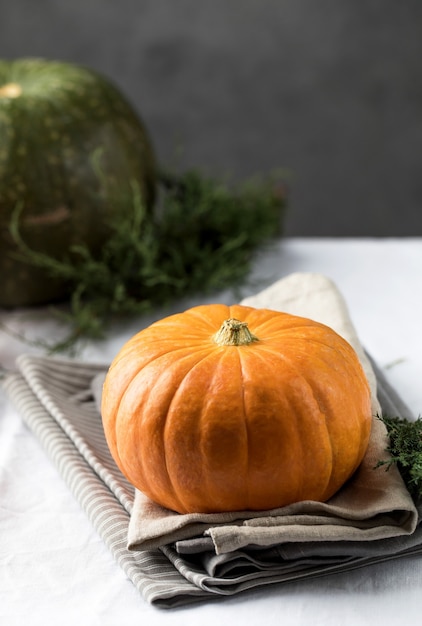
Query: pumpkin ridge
[
  {"x": 319, "y": 399},
  {"x": 272, "y": 321},
  {"x": 141, "y": 366},
  {"x": 338, "y": 344},
  {"x": 273, "y": 328},
  {"x": 169, "y": 344},
  {"x": 292, "y": 366},
  {"x": 206, "y": 478},
  {"x": 122, "y": 356},
  {"x": 220, "y": 354},
  {"x": 241, "y": 356},
  {"x": 323, "y": 412},
  {"x": 265, "y": 365},
  {"x": 174, "y": 399},
  {"x": 110, "y": 382},
  {"x": 292, "y": 324}
]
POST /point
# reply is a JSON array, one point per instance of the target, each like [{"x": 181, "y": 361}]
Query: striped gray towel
[{"x": 55, "y": 399}]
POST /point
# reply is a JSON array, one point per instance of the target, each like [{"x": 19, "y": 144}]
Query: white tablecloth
[{"x": 54, "y": 567}]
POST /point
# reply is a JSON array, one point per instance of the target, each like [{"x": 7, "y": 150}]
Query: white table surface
[{"x": 54, "y": 567}]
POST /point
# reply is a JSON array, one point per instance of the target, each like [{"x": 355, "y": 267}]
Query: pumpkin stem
[{"x": 234, "y": 333}]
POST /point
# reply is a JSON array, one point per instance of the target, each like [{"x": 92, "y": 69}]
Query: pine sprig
[
  {"x": 200, "y": 239},
  {"x": 405, "y": 449}
]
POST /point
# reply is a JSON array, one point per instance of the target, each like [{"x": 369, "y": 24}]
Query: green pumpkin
[{"x": 72, "y": 151}]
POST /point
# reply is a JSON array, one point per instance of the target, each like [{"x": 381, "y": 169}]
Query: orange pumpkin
[{"x": 226, "y": 408}]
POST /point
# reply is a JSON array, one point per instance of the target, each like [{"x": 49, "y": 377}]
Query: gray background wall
[{"x": 328, "y": 89}]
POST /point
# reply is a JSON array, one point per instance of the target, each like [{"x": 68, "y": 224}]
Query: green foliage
[
  {"x": 405, "y": 449},
  {"x": 200, "y": 239}
]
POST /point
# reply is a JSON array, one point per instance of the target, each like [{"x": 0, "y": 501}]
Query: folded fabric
[
  {"x": 56, "y": 399},
  {"x": 373, "y": 505}
]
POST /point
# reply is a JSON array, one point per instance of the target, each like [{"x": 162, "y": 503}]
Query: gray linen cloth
[{"x": 368, "y": 522}]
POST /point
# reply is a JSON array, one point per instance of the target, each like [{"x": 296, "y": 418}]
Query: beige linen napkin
[{"x": 373, "y": 505}]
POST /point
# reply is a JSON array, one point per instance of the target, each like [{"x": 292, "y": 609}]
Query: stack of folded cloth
[{"x": 174, "y": 559}]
